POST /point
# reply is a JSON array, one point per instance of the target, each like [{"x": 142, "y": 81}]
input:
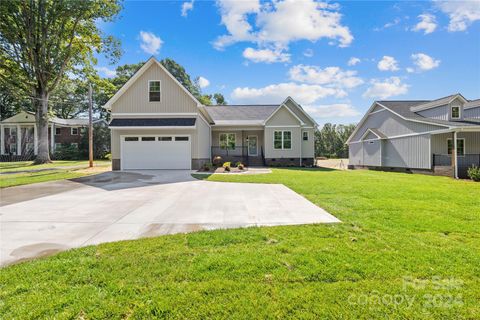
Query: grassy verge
[
  {"x": 47, "y": 172},
  {"x": 408, "y": 247}
]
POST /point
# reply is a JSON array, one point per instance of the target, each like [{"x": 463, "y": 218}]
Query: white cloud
[
  {"x": 106, "y": 72},
  {"x": 427, "y": 23},
  {"x": 389, "y": 87},
  {"x": 203, "y": 82},
  {"x": 276, "y": 24},
  {"x": 331, "y": 76},
  {"x": 308, "y": 53},
  {"x": 388, "y": 64},
  {"x": 150, "y": 42},
  {"x": 353, "y": 61},
  {"x": 338, "y": 110},
  {"x": 461, "y": 13},
  {"x": 265, "y": 55},
  {"x": 276, "y": 93},
  {"x": 388, "y": 25},
  {"x": 187, "y": 6},
  {"x": 424, "y": 62}
]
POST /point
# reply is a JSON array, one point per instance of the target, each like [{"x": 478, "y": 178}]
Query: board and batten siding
[
  {"x": 437, "y": 113},
  {"x": 407, "y": 152},
  {"x": 355, "y": 154},
  {"x": 173, "y": 98},
  {"x": 472, "y": 113},
  {"x": 392, "y": 125},
  {"x": 472, "y": 142},
  {"x": 372, "y": 153}
]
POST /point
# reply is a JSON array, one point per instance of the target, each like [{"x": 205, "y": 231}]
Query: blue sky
[{"x": 335, "y": 58}]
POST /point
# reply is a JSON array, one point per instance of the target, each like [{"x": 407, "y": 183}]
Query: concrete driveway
[{"x": 41, "y": 219}]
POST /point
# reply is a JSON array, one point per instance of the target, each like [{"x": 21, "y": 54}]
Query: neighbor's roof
[
  {"x": 472, "y": 104},
  {"x": 402, "y": 108},
  {"x": 241, "y": 114},
  {"x": 437, "y": 102},
  {"x": 153, "y": 122}
]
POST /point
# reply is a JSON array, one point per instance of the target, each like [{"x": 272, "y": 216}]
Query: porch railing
[
  {"x": 232, "y": 154},
  {"x": 463, "y": 162}
]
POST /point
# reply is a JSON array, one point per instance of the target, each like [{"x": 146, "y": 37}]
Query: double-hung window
[
  {"x": 154, "y": 90},
  {"x": 455, "y": 112},
  {"x": 282, "y": 140},
  {"x": 227, "y": 141},
  {"x": 460, "y": 146}
]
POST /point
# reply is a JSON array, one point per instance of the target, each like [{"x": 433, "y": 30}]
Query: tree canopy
[{"x": 330, "y": 140}]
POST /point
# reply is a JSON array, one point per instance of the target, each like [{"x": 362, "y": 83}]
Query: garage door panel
[{"x": 162, "y": 153}]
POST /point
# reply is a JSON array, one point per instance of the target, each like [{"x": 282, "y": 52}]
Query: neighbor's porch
[
  {"x": 244, "y": 145},
  {"x": 454, "y": 152}
]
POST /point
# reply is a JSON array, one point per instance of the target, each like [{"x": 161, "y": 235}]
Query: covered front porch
[
  {"x": 244, "y": 145},
  {"x": 456, "y": 151}
]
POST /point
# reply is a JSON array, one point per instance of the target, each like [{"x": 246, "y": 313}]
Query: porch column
[
  {"x": 35, "y": 139},
  {"x": 19, "y": 140},
  {"x": 52, "y": 137},
  {"x": 454, "y": 155},
  {"x": 2, "y": 140}
]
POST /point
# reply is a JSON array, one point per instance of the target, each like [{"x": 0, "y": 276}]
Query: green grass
[
  {"x": 54, "y": 172},
  {"x": 397, "y": 229}
]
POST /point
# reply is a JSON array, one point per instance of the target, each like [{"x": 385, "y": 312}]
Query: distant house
[
  {"x": 19, "y": 140},
  {"x": 439, "y": 136},
  {"x": 158, "y": 124}
]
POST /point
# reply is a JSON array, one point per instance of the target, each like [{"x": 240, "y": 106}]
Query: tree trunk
[{"x": 41, "y": 115}]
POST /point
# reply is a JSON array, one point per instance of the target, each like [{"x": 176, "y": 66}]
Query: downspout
[
  {"x": 454, "y": 153},
  {"x": 301, "y": 142}
]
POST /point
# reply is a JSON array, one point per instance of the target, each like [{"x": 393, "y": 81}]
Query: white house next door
[{"x": 252, "y": 146}]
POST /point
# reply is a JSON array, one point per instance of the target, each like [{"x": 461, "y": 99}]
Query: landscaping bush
[
  {"x": 474, "y": 173},
  {"x": 217, "y": 161},
  {"x": 207, "y": 166},
  {"x": 101, "y": 142},
  {"x": 227, "y": 166},
  {"x": 67, "y": 152},
  {"x": 239, "y": 165}
]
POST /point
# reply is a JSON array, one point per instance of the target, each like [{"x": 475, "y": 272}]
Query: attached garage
[{"x": 155, "y": 152}]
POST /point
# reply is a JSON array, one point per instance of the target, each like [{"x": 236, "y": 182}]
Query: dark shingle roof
[
  {"x": 403, "y": 109},
  {"x": 163, "y": 122},
  {"x": 240, "y": 114}
]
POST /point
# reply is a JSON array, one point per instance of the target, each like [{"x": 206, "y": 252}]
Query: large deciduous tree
[
  {"x": 330, "y": 140},
  {"x": 42, "y": 40}
]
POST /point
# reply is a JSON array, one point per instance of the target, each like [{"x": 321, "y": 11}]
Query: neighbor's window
[
  {"x": 460, "y": 146},
  {"x": 227, "y": 141},
  {"x": 57, "y": 131},
  {"x": 455, "y": 112},
  {"x": 154, "y": 91},
  {"x": 74, "y": 131},
  {"x": 305, "y": 136},
  {"x": 282, "y": 139}
]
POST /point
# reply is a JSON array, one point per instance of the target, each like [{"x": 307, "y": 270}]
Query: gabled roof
[
  {"x": 283, "y": 105},
  {"x": 438, "y": 102},
  {"x": 472, "y": 104},
  {"x": 376, "y": 132},
  {"x": 29, "y": 117},
  {"x": 137, "y": 74},
  {"x": 240, "y": 114}
]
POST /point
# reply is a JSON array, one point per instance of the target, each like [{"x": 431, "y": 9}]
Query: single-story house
[
  {"x": 439, "y": 136},
  {"x": 158, "y": 124},
  {"x": 20, "y": 141}
]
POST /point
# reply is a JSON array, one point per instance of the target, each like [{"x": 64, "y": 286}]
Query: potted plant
[{"x": 227, "y": 166}]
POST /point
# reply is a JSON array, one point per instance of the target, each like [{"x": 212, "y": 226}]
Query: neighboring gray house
[
  {"x": 158, "y": 124},
  {"x": 440, "y": 136}
]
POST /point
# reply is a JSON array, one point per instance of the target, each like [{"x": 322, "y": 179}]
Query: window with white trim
[
  {"x": 58, "y": 131},
  {"x": 282, "y": 140},
  {"x": 460, "y": 146},
  {"x": 74, "y": 131},
  {"x": 305, "y": 135},
  {"x": 227, "y": 141},
  {"x": 455, "y": 112},
  {"x": 154, "y": 90}
]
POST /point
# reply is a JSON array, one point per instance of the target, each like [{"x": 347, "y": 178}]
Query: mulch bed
[{"x": 222, "y": 170}]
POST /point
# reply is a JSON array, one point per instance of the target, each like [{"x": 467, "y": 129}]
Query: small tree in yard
[{"x": 42, "y": 40}]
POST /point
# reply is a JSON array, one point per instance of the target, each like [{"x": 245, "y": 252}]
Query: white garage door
[{"x": 156, "y": 152}]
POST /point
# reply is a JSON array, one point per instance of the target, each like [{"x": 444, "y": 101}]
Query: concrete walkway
[{"x": 44, "y": 218}]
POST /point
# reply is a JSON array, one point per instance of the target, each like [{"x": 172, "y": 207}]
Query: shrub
[
  {"x": 217, "y": 161},
  {"x": 227, "y": 166},
  {"x": 207, "y": 166},
  {"x": 240, "y": 166},
  {"x": 67, "y": 151},
  {"x": 474, "y": 173}
]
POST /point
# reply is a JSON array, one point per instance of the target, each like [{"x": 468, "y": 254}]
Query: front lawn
[
  {"x": 408, "y": 247},
  {"x": 25, "y": 172}
]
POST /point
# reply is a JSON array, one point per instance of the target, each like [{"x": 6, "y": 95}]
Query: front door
[{"x": 252, "y": 146}]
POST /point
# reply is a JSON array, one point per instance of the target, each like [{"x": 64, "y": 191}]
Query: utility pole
[{"x": 90, "y": 127}]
